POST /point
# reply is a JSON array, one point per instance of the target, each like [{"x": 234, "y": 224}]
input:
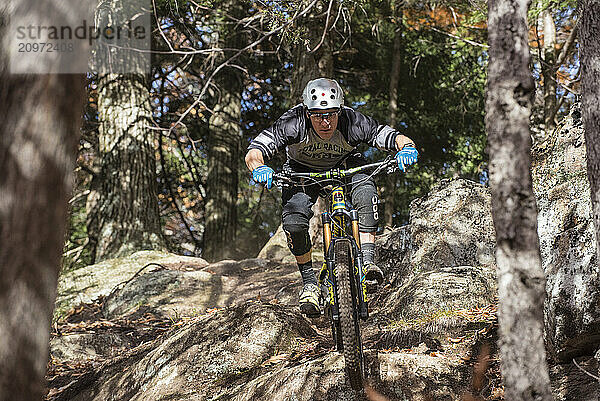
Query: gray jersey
[
  {"x": 318, "y": 153},
  {"x": 293, "y": 131}
]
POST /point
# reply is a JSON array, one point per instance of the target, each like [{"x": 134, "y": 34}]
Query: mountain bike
[{"x": 342, "y": 277}]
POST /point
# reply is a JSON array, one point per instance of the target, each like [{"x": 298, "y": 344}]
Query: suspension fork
[
  {"x": 359, "y": 274},
  {"x": 329, "y": 258}
]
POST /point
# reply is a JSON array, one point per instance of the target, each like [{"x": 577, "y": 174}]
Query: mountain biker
[{"x": 319, "y": 134}]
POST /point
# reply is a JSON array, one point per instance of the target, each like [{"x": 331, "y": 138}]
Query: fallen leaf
[{"x": 277, "y": 359}]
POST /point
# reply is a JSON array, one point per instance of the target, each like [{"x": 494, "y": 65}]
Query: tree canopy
[{"x": 439, "y": 53}]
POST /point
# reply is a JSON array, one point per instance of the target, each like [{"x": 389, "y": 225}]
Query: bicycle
[{"x": 342, "y": 278}]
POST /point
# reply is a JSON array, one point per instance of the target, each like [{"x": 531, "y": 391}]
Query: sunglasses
[{"x": 322, "y": 116}]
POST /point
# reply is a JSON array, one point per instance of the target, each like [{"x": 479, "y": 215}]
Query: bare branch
[
  {"x": 459, "y": 38},
  {"x": 585, "y": 371},
  {"x": 568, "y": 44},
  {"x": 325, "y": 29},
  {"x": 79, "y": 196},
  {"x": 236, "y": 55}
]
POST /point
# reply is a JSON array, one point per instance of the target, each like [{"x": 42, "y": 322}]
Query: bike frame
[{"x": 340, "y": 222}]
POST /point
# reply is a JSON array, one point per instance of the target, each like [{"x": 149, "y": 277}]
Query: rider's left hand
[{"x": 407, "y": 156}]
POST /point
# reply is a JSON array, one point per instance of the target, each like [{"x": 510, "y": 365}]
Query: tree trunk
[
  {"x": 40, "y": 118},
  {"x": 224, "y": 147},
  {"x": 222, "y": 182},
  {"x": 123, "y": 215},
  {"x": 589, "y": 35},
  {"x": 318, "y": 62},
  {"x": 392, "y": 179},
  {"x": 549, "y": 68},
  {"x": 123, "y": 207},
  {"x": 521, "y": 281}
]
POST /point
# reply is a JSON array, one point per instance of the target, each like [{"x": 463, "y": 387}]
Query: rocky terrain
[
  {"x": 170, "y": 327},
  {"x": 157, "y": 326}
]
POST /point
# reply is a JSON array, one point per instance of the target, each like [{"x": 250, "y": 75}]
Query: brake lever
[
  {"x": 281, "y": 181},
  {"x": 391, "y": 165}
]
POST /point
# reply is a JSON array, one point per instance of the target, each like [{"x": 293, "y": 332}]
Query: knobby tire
[{"x": 349, "y": 323}]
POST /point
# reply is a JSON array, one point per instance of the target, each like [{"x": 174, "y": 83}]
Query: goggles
[{"x": 322, "y": 116}]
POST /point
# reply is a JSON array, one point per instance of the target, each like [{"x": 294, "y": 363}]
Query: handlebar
[{"x": 289, "y": 178}]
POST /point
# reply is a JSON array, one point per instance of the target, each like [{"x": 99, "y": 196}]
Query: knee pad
[
  {"x": 366, "y": 202},
  {"x": 368, "y": 215},
  {"x": 298, "y": 239}
]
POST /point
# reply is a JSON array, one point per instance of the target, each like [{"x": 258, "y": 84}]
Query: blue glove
[
  {"x": 407, "y": 156},
  {"x": 264, "y": 175}
]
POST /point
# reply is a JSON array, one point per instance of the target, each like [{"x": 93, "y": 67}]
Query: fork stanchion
[
  {"x": 326, "y": 220},
  {"x": 354, "y": 219},
  {"x": 361, "y": 284}
]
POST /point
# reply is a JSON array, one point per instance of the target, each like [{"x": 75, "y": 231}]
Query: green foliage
[
  {"x": 537, "y": 7},
  {"x": 440, "y": 98}
]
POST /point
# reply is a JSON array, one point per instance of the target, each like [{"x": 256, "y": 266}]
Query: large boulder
[
  {"x": 573, "y": 382},
  {"x": 452, "y": 226},
  {"x": 191, "y": 362},
  {"x": 443, "y": 292},
  {"x": 88, "y": 283},
  {"x": 567, "y": 241},
  {"x": 443, "y": 262}
]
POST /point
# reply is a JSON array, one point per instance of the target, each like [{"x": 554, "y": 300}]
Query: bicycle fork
[{"x": 359, "y": 275}]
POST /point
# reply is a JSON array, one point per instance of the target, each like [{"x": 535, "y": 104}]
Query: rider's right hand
[{"x": 263, "y": 175}]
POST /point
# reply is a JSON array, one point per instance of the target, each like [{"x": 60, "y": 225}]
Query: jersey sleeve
[
  {"x": 365, "y": 129},
  {"x": 286, "y": 130}
]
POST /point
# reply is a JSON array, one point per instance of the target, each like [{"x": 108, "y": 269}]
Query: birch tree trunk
[
  {"x": 589, "y": 35},
  {"x": 521, "y": 281},
  {"x": 40, "y": 118}
]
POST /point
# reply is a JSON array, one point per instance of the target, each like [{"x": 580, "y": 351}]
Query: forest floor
[{"x": 472, "y": 348}]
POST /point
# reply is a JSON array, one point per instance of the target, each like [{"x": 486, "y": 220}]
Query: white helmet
[{"x": 323, "y": 93}]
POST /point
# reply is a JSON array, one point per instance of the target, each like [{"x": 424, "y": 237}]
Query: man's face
[{"x": 324, "y": 121}]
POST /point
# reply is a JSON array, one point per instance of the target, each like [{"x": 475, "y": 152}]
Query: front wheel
[{"x": 349, "y": 323}]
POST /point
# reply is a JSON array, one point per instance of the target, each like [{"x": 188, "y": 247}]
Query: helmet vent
[
  {"x": 314, "y": 97},
  {"x": 332, "y": 97},
  {"x": 332, "y": 90},
  {"x": 324, "y": 103},
  {"x": 313, "y": 90}
]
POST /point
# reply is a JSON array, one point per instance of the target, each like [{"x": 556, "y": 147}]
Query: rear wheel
[{"x": 349, "y": 323}]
